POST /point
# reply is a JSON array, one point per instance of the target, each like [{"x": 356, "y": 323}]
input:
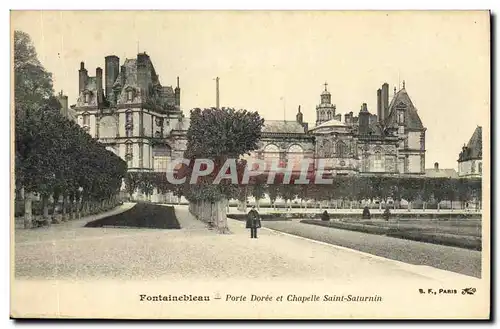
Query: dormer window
[
  {"x": 401, "y": 117},
  {"x": 130, "y": 94},
  {"x": 159, "y": 122}
]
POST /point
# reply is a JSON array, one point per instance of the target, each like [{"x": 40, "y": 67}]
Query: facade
[
  {"x": 470, "y": 160},
  {"x": 130, "y": 112},
  {"x": 391, "y": 142},
  {"x": 137, "y": 118}
]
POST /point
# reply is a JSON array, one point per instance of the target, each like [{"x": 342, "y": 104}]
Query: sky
[{"x": 272, "y": 62}]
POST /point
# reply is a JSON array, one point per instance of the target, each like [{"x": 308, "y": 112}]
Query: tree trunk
[
  {"x": 244, "y": 203},
  {"x": 438, "y": 205},
  {"x": 423, "y": 206},
  {"x": 28, "y": 207},
  {"x": 221, "y": 219},
  {"x": 64, "y": 210},
  {"x": 45, "y": 205},
  {"x": 257, "y": 202}
]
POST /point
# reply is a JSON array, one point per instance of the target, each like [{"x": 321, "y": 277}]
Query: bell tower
[{"x": 325, "y": 111}]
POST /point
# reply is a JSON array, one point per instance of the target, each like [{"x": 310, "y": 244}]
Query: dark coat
[
  {"x": 253, "y": 219},
  {"x": 366, "y": 213}
]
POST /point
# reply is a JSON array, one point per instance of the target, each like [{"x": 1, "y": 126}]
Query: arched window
[
  {"x": 329, "y": 115},
  {"x": 295, "y": 155},
  {"x": 161, "y": 157},
  {"x": 128, "y": 147},
  {"x": 341, "y": 149},
  {"x": 327, "y": 149},
  {"x": 271, "y": 153},
  {"x": 128, "y": 116}
]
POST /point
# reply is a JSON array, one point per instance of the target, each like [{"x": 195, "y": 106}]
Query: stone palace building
[
  {"x": 141, "y": 120},
  {"x": 470, "y": 160}
]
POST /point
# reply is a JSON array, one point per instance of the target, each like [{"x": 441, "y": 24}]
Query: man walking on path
[{"x": 253, "y": 222}]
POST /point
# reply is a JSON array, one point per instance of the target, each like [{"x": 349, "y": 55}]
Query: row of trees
[
  {"x": 54, "y": 157},
  {"x": 345, "y": 188}
]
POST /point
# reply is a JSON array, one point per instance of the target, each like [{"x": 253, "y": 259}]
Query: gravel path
[
  {"x": 453, "y": 259},
  {"x": 194, "y": 252}
]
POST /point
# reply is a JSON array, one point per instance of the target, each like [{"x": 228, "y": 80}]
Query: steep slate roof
[
  {"x": 281, "y": 126},
  {"x": 131, "y": 73},
  {"x": 166, "y": 94},
  {"x": 375, "y": 129},
  {"x": 474, "y": 149},
  {"x": 91, "y": 84},
  {"x": 443, "y": 173},
  {"x": 412, "y": 120}
]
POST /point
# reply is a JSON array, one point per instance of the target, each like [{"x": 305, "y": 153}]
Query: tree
[
  {"x": 32, "y": 83},
  {"x": 132, "y": 182},
  {"x": 219, "y": 134},
  {"x": 258, "y": 188}
]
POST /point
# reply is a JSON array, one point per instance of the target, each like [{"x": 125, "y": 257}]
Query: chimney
[
  {"x": 98, "y": 82},
  {"x": 379, "y": 105},
  {"x": 124, "y": 75},
  {"x": 142, "y": 74},
  {"x": 436, "y": 166},
  {"x": 177, "y": 94},
  {"x": 385, "y": 100},
  {"x": 299, "y": 117},
  {"x": 364, "y": 117},
  {"x": 348, "y": 118},
  {"x": 112, "y": 70},
  {"x": 82, "y": 77}
]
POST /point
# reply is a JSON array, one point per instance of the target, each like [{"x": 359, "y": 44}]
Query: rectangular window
[
  {"x": 86, "y": 120},
  {"x": 378, "y": 163},
  {"x": 129, "y": 148},
  {"x": 141, "y": 150}
]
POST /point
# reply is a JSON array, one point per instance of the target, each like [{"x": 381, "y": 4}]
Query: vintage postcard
[{"x": 250, "y": 164}]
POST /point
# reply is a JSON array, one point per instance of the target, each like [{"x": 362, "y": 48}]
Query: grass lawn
[
  {"x": 457, "y": 233},
  {"x": 457, "y": 227},
  {"x": 141, "y": 215}
]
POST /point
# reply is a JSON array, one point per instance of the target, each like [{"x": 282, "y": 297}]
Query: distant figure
[
  {"x": 387, "y": 213},
  {"x": 325, "y": 216},
  {"x": 366, "y": 213},
  {"x": 253, "y": 222}
]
